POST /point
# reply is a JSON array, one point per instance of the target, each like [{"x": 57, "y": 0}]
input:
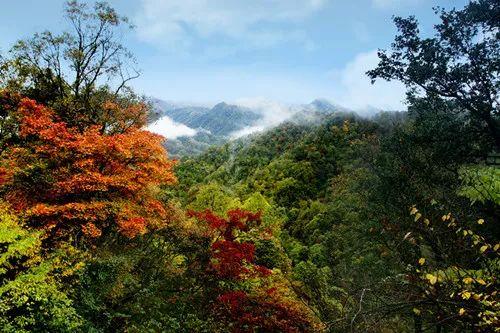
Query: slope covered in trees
[{"x": 344, "y": 225}]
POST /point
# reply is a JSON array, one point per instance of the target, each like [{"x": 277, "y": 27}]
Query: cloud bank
[
  {"x": 170, "y": 129},
  {"x": 273, "y": 113},
  {"x": 385, "y": 4},
  {"x": 256, "y": 23}
]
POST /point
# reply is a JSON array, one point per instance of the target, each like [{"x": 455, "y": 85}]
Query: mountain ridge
[{"x": 225, "y": 121}]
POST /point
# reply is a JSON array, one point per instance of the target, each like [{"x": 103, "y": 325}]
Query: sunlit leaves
[
  {"x": 481, "y": 183},
  {"x": 85, "y": 181},
  {"x": 31, "y": 296},
  {"x": 431, "y": 278}
]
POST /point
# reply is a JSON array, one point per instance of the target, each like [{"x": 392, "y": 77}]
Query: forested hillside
[{"x": 333, "y": 223}]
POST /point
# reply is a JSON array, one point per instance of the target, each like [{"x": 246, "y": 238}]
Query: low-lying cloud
[
  {"x": 273, "y": 113},
  {"x": 170, "y": 129}
]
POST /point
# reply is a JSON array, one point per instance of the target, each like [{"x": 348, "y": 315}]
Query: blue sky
[{"x": 288, "y": 51}]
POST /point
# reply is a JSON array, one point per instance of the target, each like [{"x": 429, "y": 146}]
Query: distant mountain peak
[
  {"x": 321, "y": 102},
  {"x": 220, "y": 120},
  {"x": 221, "y": 105}
]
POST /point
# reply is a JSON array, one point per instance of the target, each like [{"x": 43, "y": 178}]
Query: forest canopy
[{"x": 348, "y": 224}]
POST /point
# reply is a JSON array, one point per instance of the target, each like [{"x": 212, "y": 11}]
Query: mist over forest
[{"x": 373, "y": 209}]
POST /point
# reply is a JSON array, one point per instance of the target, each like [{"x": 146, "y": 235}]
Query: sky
[{"x": 284, "y": 51}]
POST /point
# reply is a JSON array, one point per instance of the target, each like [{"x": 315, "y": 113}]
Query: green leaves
[
  {"x": 480, "y": 184},
  {"x": 31, "y": 297}
]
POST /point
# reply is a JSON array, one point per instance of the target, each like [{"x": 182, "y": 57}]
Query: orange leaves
[
  {"x": 38, "y": 122},
  {"x": 137, "y": 219},
  {"x": 90, "y": 230},
  {"x": 132, "y": 227},
  {"x": 80, "y": 180}
]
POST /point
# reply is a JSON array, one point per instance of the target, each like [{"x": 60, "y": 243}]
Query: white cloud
[
  {"x": 179, "y": 24},
  {"x": 384, "y": 4},
  {"x": 170, "y": 129},
  {"x": 356, "y": 91},
  {"x": 273, "y": 113}
]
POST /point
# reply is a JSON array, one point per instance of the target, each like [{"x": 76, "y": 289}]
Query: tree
[
  {"x": 461, "y": 63},
  {"x": 71, "y": 183},
  {"x": 75, "y": 72},
  {"x": 250, "y": 297},
  {"x": 454, "y": 280},
  {"x": 212, "y": 196},
  {"x": 31, "y": 293}
]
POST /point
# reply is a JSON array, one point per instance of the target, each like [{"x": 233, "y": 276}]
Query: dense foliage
[{"x": 388, "y": 224}]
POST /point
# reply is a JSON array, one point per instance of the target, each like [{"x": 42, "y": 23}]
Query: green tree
[
  {"x": 461, "y": 63},
  {"x": 77, "y": 71},
  {"x": 32, "y": 298}
]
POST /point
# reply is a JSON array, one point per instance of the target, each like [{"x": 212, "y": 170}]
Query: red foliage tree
[
  {"x": 263, "y": 313},
  {"x": 260, "y": 309},
  {"x": 232, "y": 259},
  {"x": 70, "y": 181}
]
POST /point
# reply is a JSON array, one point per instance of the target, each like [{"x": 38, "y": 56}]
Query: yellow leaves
[
  {"x": 416, "y": 311},
  {"x": 481, "y": 281},
  {"x": 418, "y": 215},
  {"x": 468, "y": 280},
  {"x": 480, "y": 221},
  {"x": 496, "y": 247},
  {"x": 461, "y": 312},
  {"x": 70, "y": 271},
  {"x": 345, "y": 126},
  {"x": 421, "y": 261},
  {"x": 431, "y": 278},
  {"x": 483, "y": 248},
  {"x": 466, "y": 294}
]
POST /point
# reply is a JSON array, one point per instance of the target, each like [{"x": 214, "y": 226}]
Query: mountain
[
  {"x": 322, "y": 106},
  {"x": 158, "y": 108},
  {"x": 221, "y": 120},
  {"x": 193, "y": 145},
  {"x": 217, "y": 124},
  {"x": 213, "y": 125},
  {"x": 315, "y": 112}
]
